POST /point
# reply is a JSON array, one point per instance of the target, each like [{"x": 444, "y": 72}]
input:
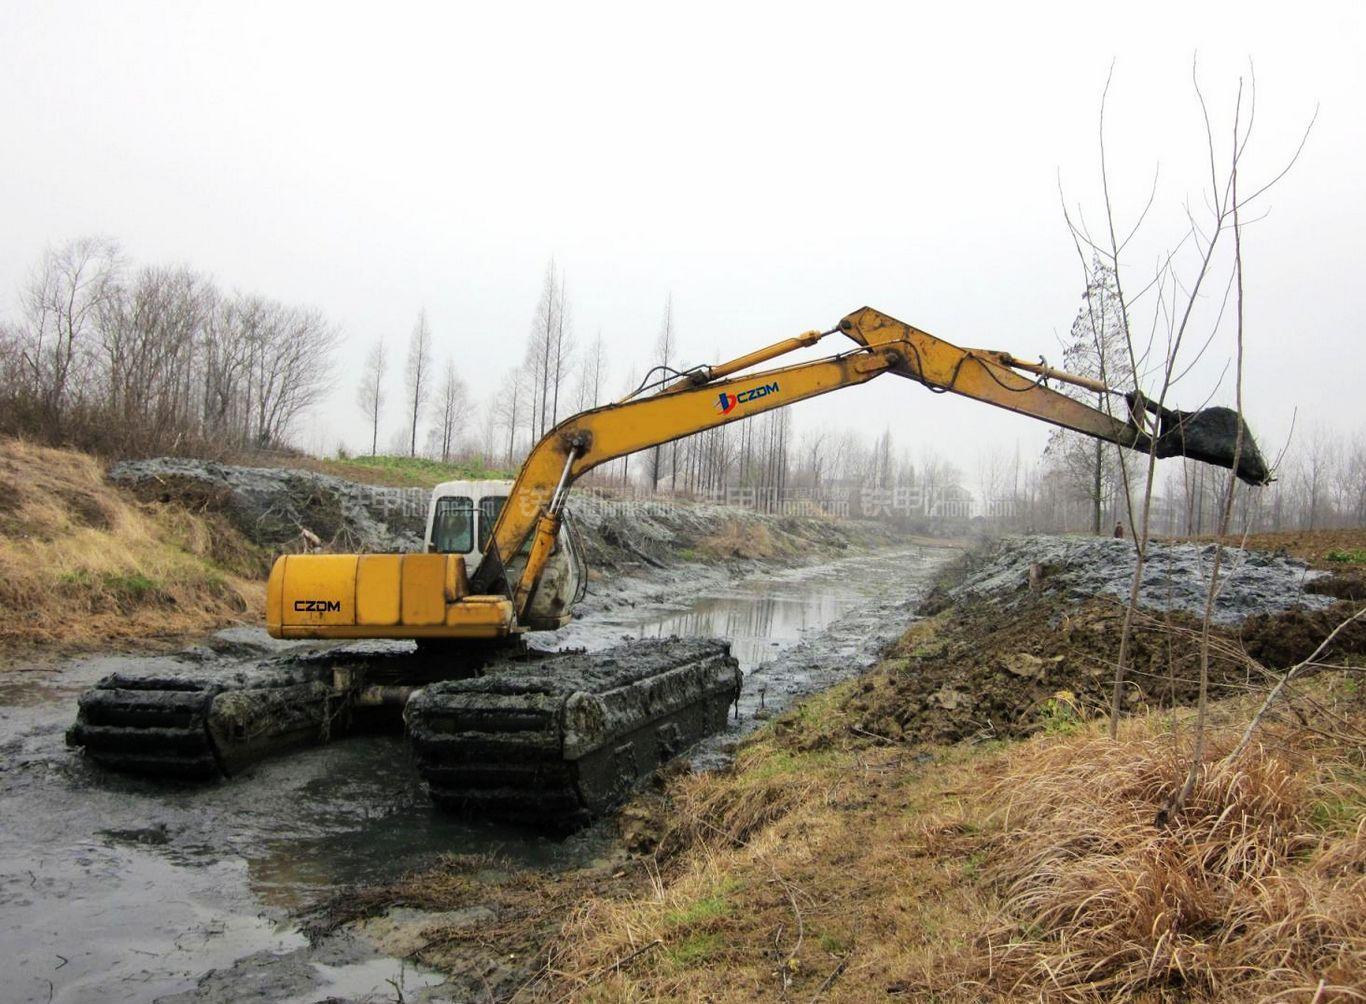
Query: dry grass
[
  {"x": 1311, "y": 546},
  {"x": 765, "y": 785},
  {"x": 1245, "y": 896},
  {"x": 749, "y": 539},
  {"x": 866, "y": 870},
  {"x": 83, "y": 565}
]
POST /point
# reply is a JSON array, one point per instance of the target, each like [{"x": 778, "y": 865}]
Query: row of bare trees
[
  {"x": 1077, "y": 484},
  {"x": 1320, "y": 484},
  {"x": 441, "y": 400},
  {"x": 136, "y": 360}
]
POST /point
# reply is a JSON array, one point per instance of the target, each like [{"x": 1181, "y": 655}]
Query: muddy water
[{"x": 115, "y": 889}]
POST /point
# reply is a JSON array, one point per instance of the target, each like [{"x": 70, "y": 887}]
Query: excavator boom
[{"x": 713, "y": 396}]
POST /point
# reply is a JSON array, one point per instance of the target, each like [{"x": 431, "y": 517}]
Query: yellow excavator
[{"x": 554, "y": 739}]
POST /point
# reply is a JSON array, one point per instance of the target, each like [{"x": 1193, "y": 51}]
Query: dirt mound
[
  {"x": 622, "y": 531},
  {"x": 972, "y": 672},
  {"x": 1279, "y": 641},
  {"x": 273, "y": 507}
]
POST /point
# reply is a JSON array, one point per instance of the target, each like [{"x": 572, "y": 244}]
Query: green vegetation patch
[
  {"x": 1350, "y": 556},
  {"x": 416, "y": 471},
  {"x": 132, "y": 585},
  {"x": 695, "y": 950},
  {"x": 707, "y": 908}
]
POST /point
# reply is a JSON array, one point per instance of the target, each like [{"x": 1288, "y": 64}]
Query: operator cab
[
  {"x": 462, "y": 515},
  {"x": 460, "y": 520}
]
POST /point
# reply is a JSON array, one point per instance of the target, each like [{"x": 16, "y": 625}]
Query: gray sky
[{"x": 774, "y": 167}]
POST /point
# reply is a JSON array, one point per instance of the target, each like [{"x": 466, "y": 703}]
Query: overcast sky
[{"x": 774, "y": 167}]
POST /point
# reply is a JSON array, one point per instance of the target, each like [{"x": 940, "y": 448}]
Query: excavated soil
[
  {"x": 995, "y": 660},
  {"x": 971, "y": 673},
  {"x": 1175, "y": 575},
  {"x": 275, "y": 507}
]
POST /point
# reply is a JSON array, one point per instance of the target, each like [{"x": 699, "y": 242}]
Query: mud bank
[
  {"x": 884, "y": 838},
  {"x": 278, "y": 509},
  {"x": 999, "y": 661},
  {"x": 272, "y": 507},
  {"x": 1175, "y": 576}
]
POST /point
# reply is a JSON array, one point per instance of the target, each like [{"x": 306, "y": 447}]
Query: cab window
[
  {"x": 489, "y": 508},
  {"x": 453, "y": 525}
]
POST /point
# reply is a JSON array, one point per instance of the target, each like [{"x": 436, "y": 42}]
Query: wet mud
[
  {"x": 114, "y": 888},
  {"x": 1175, "y": 576}
]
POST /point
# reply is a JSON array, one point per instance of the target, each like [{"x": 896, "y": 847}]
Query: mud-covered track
[
  {"x": 156, "y": 726},
  {"x": 187, "y": 727},
  {"x": 544, "y": 740},
  {"x": 556, "y": 742}
]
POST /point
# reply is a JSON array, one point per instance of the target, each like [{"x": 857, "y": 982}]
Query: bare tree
[
  {"x": 1231, "y": 482},
  {"x": 511, "y": 394},
  {"x": 452, "y": 404},
  {"x": 563, "y": 350},
  {"x": 548, "y": 350},
  {"x": 665, "y": 348},
  {"x": 62, "y": 303},
  {"x": 592, "y": 374},
  {"x": 1354, "y": 482},
  {"x": 1175, "y": 297},
  {"x": 148, "y": 336},
  {"x": 370, "y": 394},
  {"x": 290, "y": 352},
  {"x": 155, "y": 361},
  {"x": 418, "y": 374},
  {"x": 1315, "y": 474},
  {"x": 1095, "y": 348}
]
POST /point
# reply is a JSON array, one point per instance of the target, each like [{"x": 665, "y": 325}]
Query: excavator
[{"x": 500, "y": 730}]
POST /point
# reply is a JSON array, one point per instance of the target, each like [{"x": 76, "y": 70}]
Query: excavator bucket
[{"x": 1212, "y": 435}]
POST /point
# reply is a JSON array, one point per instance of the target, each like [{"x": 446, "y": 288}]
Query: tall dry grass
[
  {"x": 1245, "y": 894},
  {"x": 83, "y": 565}
]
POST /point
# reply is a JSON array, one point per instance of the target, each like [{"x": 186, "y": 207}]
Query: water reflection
[{"x": 757, "y": 623}]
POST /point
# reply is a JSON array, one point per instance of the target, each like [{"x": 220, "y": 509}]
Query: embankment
[
  {"x": 165, "y": 548},
  {"x": 84, "y": 564},
  {"x": 283, "y": 508}
]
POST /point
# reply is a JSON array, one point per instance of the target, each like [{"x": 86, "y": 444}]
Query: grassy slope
[
  {"x": 84, "y": 565},
  {"x": 853, "y": 868},
  {"x": 830, "y": 864}
]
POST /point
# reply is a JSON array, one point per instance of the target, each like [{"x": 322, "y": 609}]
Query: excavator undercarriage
[{"x": 545, "y": 739}]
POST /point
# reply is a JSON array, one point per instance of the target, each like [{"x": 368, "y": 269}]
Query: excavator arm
[{"x": 711, "y": 396}]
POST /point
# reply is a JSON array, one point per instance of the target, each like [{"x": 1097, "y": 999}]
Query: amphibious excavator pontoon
[{"x": 552, "y": 739}]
